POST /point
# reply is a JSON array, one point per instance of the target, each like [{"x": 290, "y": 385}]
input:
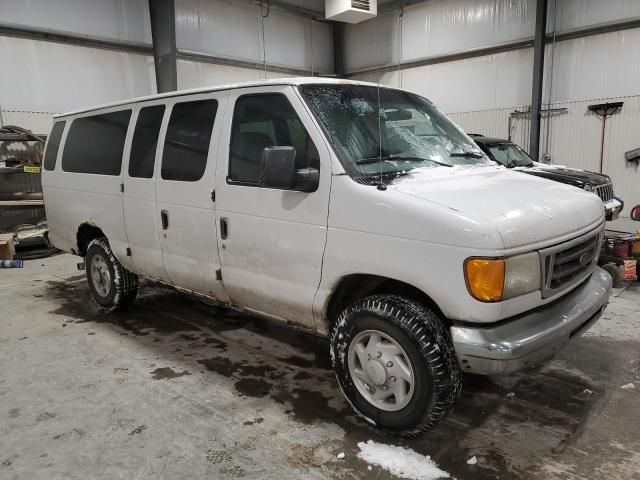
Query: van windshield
[{"x": 381, "y": 131}]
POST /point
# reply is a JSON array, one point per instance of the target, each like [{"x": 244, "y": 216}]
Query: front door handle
[
  {"x": 224, "y": 228},
  {"x": 164, "y": 216}
]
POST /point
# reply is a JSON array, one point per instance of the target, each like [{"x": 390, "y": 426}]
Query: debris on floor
[
  {"x": 628, "y": 386},
  {"x": 472, "y": 461},
  {"x": 400, "y": 461}
]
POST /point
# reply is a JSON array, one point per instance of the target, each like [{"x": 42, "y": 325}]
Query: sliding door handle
[
  {"x": 224, "y": 228},
  {"x": 164, "y": 216}
]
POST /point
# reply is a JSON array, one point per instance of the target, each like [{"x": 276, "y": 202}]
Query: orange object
[{"x": 485, "y": 278}]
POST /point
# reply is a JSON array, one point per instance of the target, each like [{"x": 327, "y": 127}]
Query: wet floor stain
[
  {"x": 14, "y": 413},
  {"x": 253, "y": 387},
  {"x": 167, "y": 372}
]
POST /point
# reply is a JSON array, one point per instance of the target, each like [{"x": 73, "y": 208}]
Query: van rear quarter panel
[{"x": 72, "y": 199}]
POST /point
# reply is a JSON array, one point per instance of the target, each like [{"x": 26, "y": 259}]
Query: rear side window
[
  {"x": 95, "y": 144},
  {"x": 51, "y": 153},
  {"x": 145, "y": 141},
  {"x": 261, "y": 121},
  {"x": 186, "y": 145}
]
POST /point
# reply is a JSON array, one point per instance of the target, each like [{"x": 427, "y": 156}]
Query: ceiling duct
[{"x": 350, "y": 11}]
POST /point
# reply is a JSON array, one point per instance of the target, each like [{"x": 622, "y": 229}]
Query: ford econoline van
[{"x": 357, "y": 212}]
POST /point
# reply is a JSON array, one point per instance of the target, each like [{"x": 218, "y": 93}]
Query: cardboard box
[{"x": 7, "y": 247}]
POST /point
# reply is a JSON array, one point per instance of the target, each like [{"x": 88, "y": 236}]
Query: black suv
[{"x": 507, "y": 153}]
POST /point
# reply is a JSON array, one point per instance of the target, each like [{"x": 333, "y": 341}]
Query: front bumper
[
  {"x": 613, "y": 208},
  {"x": 535, "y": 336}
]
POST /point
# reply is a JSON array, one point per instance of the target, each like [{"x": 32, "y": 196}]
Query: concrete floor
[{"x": 174, "y": 388}]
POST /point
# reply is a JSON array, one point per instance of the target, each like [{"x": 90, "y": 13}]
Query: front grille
[
  {"x": 605, "y": 192},
  {"x": 569, "y": 263}
]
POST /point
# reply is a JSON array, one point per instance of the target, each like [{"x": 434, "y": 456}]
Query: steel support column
[
  {"x": 163, "y": 32},
  {"x": 338, "y": 50},
  {"x": 538, "y": 73}
]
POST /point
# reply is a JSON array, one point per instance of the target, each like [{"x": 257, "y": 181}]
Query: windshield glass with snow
[
  {"x": 510, "y": 155},
  {"x": 384, "y": 131}
]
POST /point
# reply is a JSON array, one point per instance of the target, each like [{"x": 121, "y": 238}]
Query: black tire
[
  {"x": 422, "y": 335},
  {"x": 119, "y": 287},
  {"x": 615, "y": 273}
]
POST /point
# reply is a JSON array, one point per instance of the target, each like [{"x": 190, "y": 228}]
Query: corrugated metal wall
[
  {"x": 233, "y": 29},
  {"x": 41, "y": 78},
  {"x": 114, "y": 19}
]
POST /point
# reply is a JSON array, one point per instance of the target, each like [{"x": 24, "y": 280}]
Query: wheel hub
[
  {"x": 376, "y": 372},
  {"x": 381, "y": 370},
  {"x": 100, "y": 276}
]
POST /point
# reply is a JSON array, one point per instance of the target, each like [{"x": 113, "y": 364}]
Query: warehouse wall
[
  {"x": 481, "y": 93},
  {"x": 232, "y": 30},
  {"x": 41, "y": 78}
]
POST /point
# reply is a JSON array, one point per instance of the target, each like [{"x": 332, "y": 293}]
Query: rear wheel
[
  {"x": 112, "y": 286},
  {"x": 395, "y": 364}
]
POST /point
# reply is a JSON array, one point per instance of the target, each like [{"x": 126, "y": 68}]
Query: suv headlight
[{"x": 497, "y": 279}]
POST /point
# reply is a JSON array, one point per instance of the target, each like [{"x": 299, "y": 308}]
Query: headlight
[
  {"x": 588, "y": 187},
  {"x": 497, "y": 279}
]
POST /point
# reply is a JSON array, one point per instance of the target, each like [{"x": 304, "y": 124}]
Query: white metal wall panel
[
  {"x": 54, "y": 77},
  {"x": 198, "y": 74},
  {"x": 232, "y": 29},
  {"x": 606, "y": 65},
  {"x": 126, "y": 20},
  {"x": 372, "y": 43},
  {"x": 443, "y": 26},
  {"x": 481, "y": 83},
  {"x": 37, "y": 122},
  {"x": 491, "y": 123},
  {"x": 578, "y": 13},
  {"x": 436, "y": 28}
]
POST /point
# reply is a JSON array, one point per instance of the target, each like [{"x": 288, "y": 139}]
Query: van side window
[
  {"x": 186, "y": 145},
  {"x": 145, "y": 141},
  {"x": 51, "y": 152},
  {"x": 261, "y": 121},
  {"x": 95, "y": 144}
]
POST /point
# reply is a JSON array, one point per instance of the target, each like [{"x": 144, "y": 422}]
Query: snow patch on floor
[{"x": 400, "y": 461}]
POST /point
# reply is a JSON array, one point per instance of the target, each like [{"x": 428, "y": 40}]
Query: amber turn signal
[{"x": 485, "y": 278}]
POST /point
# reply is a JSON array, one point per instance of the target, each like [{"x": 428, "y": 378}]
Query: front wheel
[
  {"x": 112, "y": 286},
  {"x": 395, "y": 364}
]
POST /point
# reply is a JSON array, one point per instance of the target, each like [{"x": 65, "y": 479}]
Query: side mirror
[
  {"x": 278, "y": 170},
  {"x": 635, "y": 213}
]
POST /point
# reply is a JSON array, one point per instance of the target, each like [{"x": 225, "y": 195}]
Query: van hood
[{"x": 524, "y": 209}]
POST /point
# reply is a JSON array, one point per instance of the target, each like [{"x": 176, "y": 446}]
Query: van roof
[{"x": 215, "y": 88}]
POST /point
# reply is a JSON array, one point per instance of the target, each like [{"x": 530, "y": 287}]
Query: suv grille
[
  {"x": 569, "y": 263},
  {"x": 605, "y": 192}
]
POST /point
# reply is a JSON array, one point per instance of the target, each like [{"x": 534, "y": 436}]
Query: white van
[{"x": 357, "y": 212}]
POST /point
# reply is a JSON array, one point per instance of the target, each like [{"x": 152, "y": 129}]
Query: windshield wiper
[
  {"x": 405, "y": 158},
  {"x": 513, "y": 164},
  {"x": 466, "y": 154}
]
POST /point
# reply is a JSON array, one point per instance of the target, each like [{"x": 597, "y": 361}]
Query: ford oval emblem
[{"x": 585, "y": 258}]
